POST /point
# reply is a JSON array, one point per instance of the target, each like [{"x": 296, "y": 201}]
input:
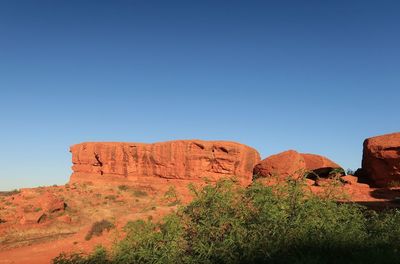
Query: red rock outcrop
[
  {"x": 293, "y": 163},
  {"x": 51, "y": 203},
  {"x": 320, "y": 165},
  {"x": 182, "y": 159},
  {"x": 350, "y": 179},
  {"x": 282, "y": 164},
  {"x": 32, "y": 218},
  {"x": 381, "y": 159}
]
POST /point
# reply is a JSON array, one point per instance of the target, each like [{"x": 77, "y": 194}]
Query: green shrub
[
  {"x": 139, "y": 193},
  {"x": 147, "y": 242},
  {"x": 123, "y": 187},
  {"x": 171, "y": 196},
  {"x": 111, "y": 197},
  {"x": 98, "y": 228},
  {"x": 226, "y": 223},
  {"x": 99, "y": 256}
]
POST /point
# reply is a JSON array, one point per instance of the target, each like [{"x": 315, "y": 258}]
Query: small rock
[
  {"x": 309, "y": 182},
  {"x": 349, "y": 179},
  {"x": 65, "y": 219},
  {"x": 32, "y": 218},
  {"x": 362, "y": 185}
]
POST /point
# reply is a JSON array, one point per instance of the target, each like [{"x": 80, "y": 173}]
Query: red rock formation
[
  {"x": 183, "y": 159},
  {"x": 320, "y": 165},
  {"x": 32, "y": 218},
  {"x": 381, "y": 159},
  {"x": 51, "y": 203},
  {"x": 292, "y": 163},
  {"x": 287, "y": 163},
  {"x": 350, "y": 179}
]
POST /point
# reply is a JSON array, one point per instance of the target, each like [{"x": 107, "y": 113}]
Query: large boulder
[
  {"x": 284, "y": 164},
  {"x": 320, "y": 165},
  {"x": 381, "y": 159},
  {"x": 51, "y": 203},
  {"x": 182, "y": 159},
  {"x": 32, "y": 218},
  {"x": 295, "y": 164}
]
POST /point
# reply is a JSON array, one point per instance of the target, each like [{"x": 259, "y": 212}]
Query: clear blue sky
[{"x": 315, "y": 76}]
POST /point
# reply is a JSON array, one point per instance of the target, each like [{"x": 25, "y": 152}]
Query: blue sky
[{"x": 315, "y": 76}]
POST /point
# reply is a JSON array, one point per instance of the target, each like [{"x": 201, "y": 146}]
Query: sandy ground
[{"x": 65, "y": 230}]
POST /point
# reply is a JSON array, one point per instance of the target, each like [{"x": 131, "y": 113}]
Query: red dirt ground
[{"x": 64, "y": 230}]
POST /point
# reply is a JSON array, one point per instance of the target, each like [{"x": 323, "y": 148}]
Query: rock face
[
  {"x": 381, "y": 159},
  {"x": 183, "y": 159},
  {"x": 293, "y": 163}
]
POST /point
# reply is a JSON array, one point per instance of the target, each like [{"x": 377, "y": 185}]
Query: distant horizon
[{"x": 316, "y": 77}]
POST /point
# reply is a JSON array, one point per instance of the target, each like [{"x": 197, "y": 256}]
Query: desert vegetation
[
  {"x": 284, "y": 223},
  {"x": 98, "y": 228},
  {"x": 9, "y": 193}
]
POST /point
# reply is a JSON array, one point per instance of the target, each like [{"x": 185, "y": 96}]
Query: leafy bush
[
  {"x": 98, "y": 228},
  {"x": 226, "y": 223},
  {"x": 99, "y": 256}
]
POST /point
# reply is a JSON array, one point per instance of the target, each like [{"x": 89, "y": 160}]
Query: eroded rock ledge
[{"x": 181, "y": 159}]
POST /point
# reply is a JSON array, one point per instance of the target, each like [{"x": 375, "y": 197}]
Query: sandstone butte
[
  {"x": 293, "y": 163},
  {"x": 381, "y": 159},
  {"x": 180, "y": 160}
]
